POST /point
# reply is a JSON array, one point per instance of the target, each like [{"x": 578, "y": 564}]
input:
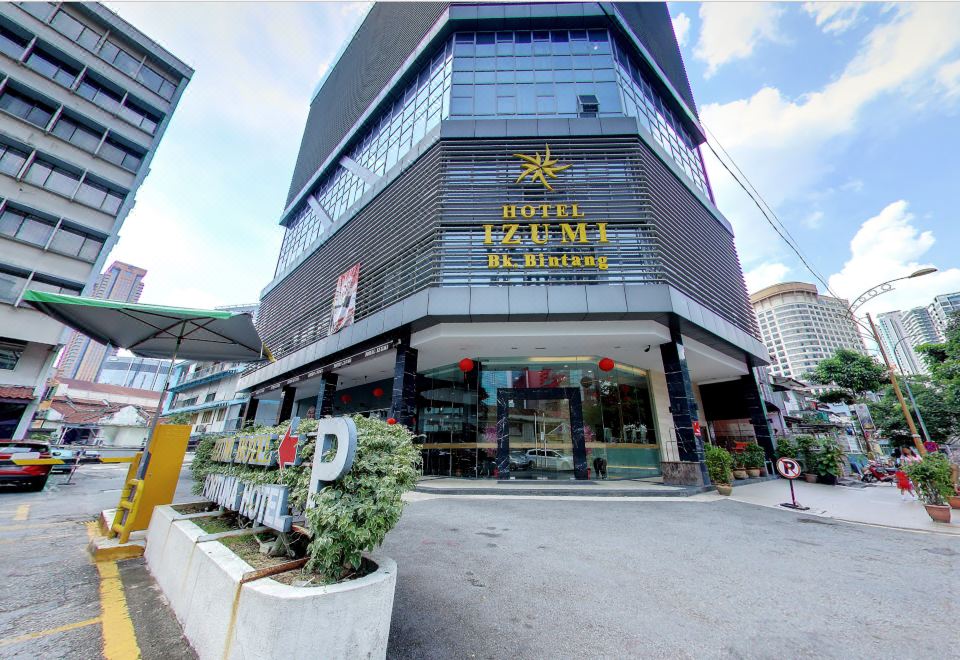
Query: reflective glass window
[
  {"x": 36, "y": 112},
  {"x": 11, "y": 43},
  {"x": 11, "y": 160}
]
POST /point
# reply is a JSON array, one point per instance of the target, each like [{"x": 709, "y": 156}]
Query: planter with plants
[
  {"x": 826, "y": 462},
  {"x": 805, "y": 450},
  {"x": 753, "y": 458},
  {"x": 954, "y": 500},
  {"x": 242, "y": 589},
  {"x": 739, "y": 466},
  {"x": 931, "y": 478},
  {"x": 719, "y": 468}
]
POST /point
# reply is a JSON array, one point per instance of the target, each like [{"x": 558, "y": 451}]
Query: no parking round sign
[{"x": 788, "y": 468}]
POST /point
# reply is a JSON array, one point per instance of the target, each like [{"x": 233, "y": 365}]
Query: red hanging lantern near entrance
[
  {"x": 606, "y": 364},
  {"x": 378, "y": 392},
  {"x": 391, "y": 421},
  {"x": 466, "y": 364},
  {"x": 345, "y": 398}
]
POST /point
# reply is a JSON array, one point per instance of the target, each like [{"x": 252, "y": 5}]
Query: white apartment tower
[
  {"x": 800, "y": 327},
  {"x": 941, "y": 308},
  {"x": 897, "y": 330},
  {"x": 84, "y": 101}
]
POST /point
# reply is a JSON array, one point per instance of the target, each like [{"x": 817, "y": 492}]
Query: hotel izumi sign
[{"x": 556, "y": 235}]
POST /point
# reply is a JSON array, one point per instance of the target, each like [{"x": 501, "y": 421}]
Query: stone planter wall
[{"x": 264, "y": 619}]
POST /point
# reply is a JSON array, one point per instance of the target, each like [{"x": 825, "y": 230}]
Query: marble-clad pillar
[
  {"x": 690, "y": 469},
  {"x": 403, "y": 407},
  {"x": 757, "y": 411},
  {"x": 287, "y": 396},
  {"x": 328, "y": 389}
]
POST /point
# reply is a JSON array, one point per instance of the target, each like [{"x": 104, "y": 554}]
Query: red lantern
[
  {"x": 606, "y": 364},
  {"x": 466, "y": 364},
  {"x": 391, "y": 421},
  {"x": 378, "y": 392},
  {"x": 345, "y": 398}
]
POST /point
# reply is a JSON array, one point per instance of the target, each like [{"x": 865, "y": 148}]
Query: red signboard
[{"x": 344, "y": 299}]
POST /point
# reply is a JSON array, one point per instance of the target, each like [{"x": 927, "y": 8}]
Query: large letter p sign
[{"x": 338, "y": 434}]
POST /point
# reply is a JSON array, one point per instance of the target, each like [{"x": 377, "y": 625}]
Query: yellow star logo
[{"x": 538, "y": 168}]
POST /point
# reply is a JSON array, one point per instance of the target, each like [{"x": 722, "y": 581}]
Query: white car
[{"x": 549, "y": 459}]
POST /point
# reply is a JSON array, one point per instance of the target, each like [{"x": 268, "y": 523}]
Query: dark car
[{"x": 33, "y": 477}]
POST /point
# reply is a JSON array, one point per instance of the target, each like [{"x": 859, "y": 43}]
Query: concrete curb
[
  {"x": 223, "y": 618},
  {"x": 681, "y": 491}
]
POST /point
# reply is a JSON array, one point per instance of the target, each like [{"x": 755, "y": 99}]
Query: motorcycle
[{"x": 877, "y": 474}]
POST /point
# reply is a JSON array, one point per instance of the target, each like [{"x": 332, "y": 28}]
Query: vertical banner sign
[{"x": 344, "y": 299}]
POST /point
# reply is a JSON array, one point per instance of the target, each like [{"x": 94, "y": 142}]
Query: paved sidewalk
[
  {"x": 606, "y": 488},
  {"x": 874, "y": 505}
]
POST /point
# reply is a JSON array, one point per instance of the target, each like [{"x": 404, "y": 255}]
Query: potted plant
[
  {"x": 739, "y": 467},
  {"x": 931, "y": 478},
  {"x": 753, "y": 458},
  {"x": 719, "y": 463},
  {"x": 826, "y": 462},
  {"x": 806, "y": 446}
]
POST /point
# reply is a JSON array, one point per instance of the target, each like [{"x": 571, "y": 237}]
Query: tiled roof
[
  {"x": 16, "y": 392},
  {"x": 87, "y": 386},
  {"x": 77, "y": 411}
]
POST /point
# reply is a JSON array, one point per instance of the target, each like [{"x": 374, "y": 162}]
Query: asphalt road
[
  {"x": 48, "y": 579},
  {"x": 535, "y": 578}
]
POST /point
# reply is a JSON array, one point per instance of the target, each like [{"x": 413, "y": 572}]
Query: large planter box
[{"x": 264, "y": 619}]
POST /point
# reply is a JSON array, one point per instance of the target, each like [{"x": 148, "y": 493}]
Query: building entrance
[{"x": 540, "y": 433}]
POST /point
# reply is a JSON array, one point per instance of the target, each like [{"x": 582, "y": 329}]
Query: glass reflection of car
[
  {"x": 549, "y": 459},
  {"x": 34, "y": 477},
  {"x": 520, "y": 461}
]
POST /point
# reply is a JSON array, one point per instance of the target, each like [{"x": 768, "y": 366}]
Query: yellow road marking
[
  {"x": 22, "y": 512},
  {"x": 13, "y": 528},
  {"x": 119, "y": 638},
  {"x": 51, "y": 631}
]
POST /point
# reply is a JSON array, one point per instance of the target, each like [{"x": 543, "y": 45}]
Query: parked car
[
  {"x": 33, "y": 477},
  {"x": 88, "y": 456},
  {"x": 549, "y": 459},
  {"x": 70, "y": 457}
]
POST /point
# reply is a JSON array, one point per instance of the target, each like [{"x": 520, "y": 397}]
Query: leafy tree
[
  {"x": 836, "y": 396},
  {"x": 943, "y": 361},
  {"x": 851, "y": 371},
  {"x": 177, "y": 418},
  {"x": 941, "y": 416}
]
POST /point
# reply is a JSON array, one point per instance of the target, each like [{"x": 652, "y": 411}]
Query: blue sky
[{"x": 841, "y": 114}]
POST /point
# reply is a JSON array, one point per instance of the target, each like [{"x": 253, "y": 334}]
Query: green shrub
[
  {"x": 354, "y": 514},
  {"x": 826, "y": 462},
  {"x": 753, "y": 456},
  {"x": 932, "y": 478},
  {"x": 719, "y": 464},
  {"x": 806, "y": 445},
  {"x": 787, "y": 448}
]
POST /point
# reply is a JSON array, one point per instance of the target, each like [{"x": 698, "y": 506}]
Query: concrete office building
[
  {"x": 84, "y": 101},
  {"x": 942, "y": 307},
  {"x": 83, "y": 358},
  {"x": 800, "y": 327},
  {"x": 500, "y": 233}
]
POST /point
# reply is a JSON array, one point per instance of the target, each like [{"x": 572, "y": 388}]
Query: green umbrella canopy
[{"x": 155, "y": 331}]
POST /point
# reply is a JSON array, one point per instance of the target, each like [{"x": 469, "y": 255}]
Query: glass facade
[
  {"x": 611, "y": 411},
  {"x": 483, "y": 75}
]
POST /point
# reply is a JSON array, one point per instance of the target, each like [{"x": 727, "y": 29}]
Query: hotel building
[
  {"x": 84, "y": 100},
  {"x": 500, "y": 234}
]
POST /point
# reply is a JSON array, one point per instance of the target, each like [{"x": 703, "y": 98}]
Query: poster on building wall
[{"x": 344, "y": 299}]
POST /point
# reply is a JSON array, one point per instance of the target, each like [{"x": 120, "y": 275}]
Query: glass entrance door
[{"x": 540, "y": 434}]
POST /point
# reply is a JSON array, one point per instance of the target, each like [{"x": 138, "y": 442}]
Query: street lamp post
[{"x": 858, "y": 302}]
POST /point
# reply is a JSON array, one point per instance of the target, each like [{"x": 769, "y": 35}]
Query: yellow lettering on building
[
  {"x": 573, "y": 233},
  {"x": 508, "y": 234},
  {"x": 602, "y": 231},
  {"x": 509, "y": 211},
  {"x": 528, "y": 211},
  {"x": 488, "y": 232},
  {"x": 574, "y": 212},
  {"x": 535, "y": 234}
]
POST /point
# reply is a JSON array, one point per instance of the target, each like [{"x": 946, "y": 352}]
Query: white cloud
[
  {"x": 834, "y": 17},
  {"x": 948, "y": 78},
  {"x": 814, "y": 220},
  {"x": 765, "y": 274},
  {"x": 731, "y": 30},
  {"x": 887, "y": 246},
  {"x": 786, "y": 146},
  {"x": 681, "y": 27}
]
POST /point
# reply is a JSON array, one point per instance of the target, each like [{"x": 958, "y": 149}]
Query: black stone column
[
  {"x": 403, "y": 406},
  {"x": 328, "y": 388},
  {"x": 757, "y": 411},
  {"x": 250, "y": 410},
  {"x": 692, "y": 469},
  {"x": 287, "y": 395}
]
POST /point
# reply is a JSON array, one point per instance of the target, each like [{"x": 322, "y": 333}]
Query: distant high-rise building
[
  {"x": 132, "y": 371},
  {"x": 896, "y": 332},
  {"x": 941, "y": 308},
  {"x": 85, "y": 99},
  {"x": 801, "y": 327},
  {"x": 82, "y": 358}
]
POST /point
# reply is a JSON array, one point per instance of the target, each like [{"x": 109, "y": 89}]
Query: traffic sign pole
[{"x": 789, "y": 469}]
